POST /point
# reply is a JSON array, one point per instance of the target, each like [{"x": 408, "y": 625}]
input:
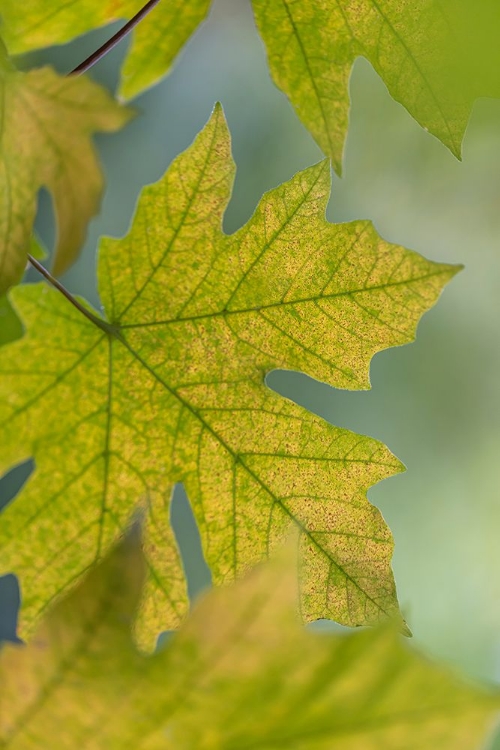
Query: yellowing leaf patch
[
  {"x": 240, "y": 673},
  {"x": 170, "y": 387},
  {"x": 46, "y": 123}
]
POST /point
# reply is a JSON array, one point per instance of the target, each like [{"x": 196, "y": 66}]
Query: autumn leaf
[
  {"x": 240, "y": 673},
  {"x": 156, "y": 41},
  {"x": 170, "y": 387},
  {"x": 45, "y": 140}
]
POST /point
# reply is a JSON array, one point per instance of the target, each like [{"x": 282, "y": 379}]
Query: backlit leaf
[
  {"x": 240, "y": 673},
  {"x": 45, "y": 140},
  {"x": 171, "y": 388},
  {"x": 435, "y": 56}
]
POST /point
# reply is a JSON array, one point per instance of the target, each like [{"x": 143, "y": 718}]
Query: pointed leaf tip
[{"x": 179, "y": 395}]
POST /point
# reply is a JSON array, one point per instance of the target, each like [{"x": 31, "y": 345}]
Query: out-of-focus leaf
[
  {"x": 240, "y": 673},
  {"x": 156, "y": 41},
  {"x": 11, "y": 327},
  {"x": 46, "y": 123},
  {"x": 436, "y": 57},
  {"x": 171, "y": 388}
]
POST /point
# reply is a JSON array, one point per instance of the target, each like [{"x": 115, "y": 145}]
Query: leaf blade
[
  {"x": 435, "y": 59},
  {"x": 156, "y": 41},
  {"x": 46, "y": 124},
  {"x": 219, "y": 681},
  {"x": 178, "y": 392}
]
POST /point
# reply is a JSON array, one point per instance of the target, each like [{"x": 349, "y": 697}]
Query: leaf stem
[
  {"x": 81, "y": 68},
  {"x": 115, "y": 39},
  {"x": 109, "y": 329}
]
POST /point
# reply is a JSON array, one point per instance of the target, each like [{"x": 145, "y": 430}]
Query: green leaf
[
  {"x": 156, "y": 41},
  {"x": 240, "y": 673},
  {"x": 45, "y": 140},
  {"x": 11, "y": 327},
  {"x": 436, "y": 57},
  {"x": 171, "y": 388}
]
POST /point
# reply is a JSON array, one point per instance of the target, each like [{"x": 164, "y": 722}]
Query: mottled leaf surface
[
  {"x": 156, "y": 41},
  {"x": 46, "y": 124},
  {"x": 240, "y": 673},
  {"x": 436, "y": 57},
  {"x": 173, "y": 390}
]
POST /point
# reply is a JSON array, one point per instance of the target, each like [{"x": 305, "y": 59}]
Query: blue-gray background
[{"x": 435, "y": 403}]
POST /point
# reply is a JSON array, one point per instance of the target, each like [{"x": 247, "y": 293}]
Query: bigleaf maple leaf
[
  {"x": 46, "y": 123},
  {"x": 170, "y": 387},
  {"x": 240, "y": 673}
]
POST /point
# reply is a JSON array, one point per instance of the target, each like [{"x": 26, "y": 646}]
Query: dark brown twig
[
  {"x": 81, "y": 68},
  {"x": 115, "y": 39},
  {"x": 57, "y": 284}
]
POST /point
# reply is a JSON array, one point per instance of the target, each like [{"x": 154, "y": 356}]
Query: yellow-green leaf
[
  {"x": 46, "y": 123},
  {"x": 240, "y": 673},
  {"x": 436, "y": 57},
  {"x": 171, "y": 388},
  {"x": 156, "y": 41},
  {"x": 10, "y": 325}
]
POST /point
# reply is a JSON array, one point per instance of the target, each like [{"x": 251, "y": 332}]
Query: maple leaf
[
  {"x": 240, "y": 673},
  {"x": 171, "y": 388},
  {"x": 156, "y": 41},
  {"x": 435, "y": 56},
  {"x": 46, "y": 124},
  {"x": 10, "y": 325}
]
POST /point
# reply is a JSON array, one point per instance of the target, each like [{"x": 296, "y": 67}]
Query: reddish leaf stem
[
  {"x": 115, "y": 39},
  {"x": 81, "y": 68},
  {"x": 57, "y": 284}
]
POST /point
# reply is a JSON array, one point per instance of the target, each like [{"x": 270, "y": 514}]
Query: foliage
[
  {"x": 168, "y": 385},
  {"x": 172, "y": 388},
  {"x": 240, "y": 672},
  {"x": 37, "y": 152},
  {"x": 156, "y": 41},
  {"x": 435, "y": 56}
]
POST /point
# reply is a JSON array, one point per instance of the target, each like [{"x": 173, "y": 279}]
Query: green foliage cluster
[{"x": 167, "y": 385}]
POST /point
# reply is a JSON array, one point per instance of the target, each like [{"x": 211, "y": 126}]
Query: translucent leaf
[
  {"x": 436, "y": 57},
  {"x": 170, "y": 387},
  {"x": 240, "y": 673},
  {"x": 46, "y": 123}
]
